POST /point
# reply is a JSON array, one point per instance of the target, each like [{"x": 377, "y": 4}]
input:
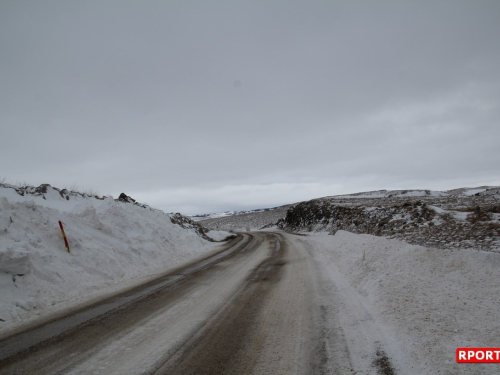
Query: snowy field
[
  {"x": 114, "y": 245},
  {"x": 426, "y": 302}
]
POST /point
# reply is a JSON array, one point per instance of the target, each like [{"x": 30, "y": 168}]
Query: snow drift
[
  {"x": 428, "y": 301},
  {"x": 113, "y": 243}
]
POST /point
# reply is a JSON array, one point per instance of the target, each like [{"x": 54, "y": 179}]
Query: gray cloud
[{"x": 193, "y": 105}]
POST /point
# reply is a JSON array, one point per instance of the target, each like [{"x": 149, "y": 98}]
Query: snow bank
[
  {"x": 219, "y": 235},
  {"x": 431, "y": 301},
  {"x": 112, "y": 244}
]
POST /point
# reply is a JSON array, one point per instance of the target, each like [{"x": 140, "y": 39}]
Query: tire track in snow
[
  {"x": 42, "y": 349},
  {"x": 222, "y": 347}
]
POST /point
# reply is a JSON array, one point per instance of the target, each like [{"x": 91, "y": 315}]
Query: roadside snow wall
[{"x": 111, "y": 242}]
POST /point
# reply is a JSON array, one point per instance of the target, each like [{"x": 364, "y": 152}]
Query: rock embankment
[{"x": 442, "y": 222}]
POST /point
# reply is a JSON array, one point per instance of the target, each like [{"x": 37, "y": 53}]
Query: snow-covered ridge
[
  {"x": 248, "y": 221},
  {"x": 458, "y": 202},
  {"x": 478, "y": 191},
  {"x": 112, "y": 242},
  {"x": 469, "y": 218},
  {"x": 217, "y": 215}
]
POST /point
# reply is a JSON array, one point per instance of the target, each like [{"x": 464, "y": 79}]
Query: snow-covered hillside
[
  {"x": 458, "y": 218},
  {"x": 247, "y": 221},
  {"x": 481, "y": 190},
  {"x": 113, "y": 243},
  {"x": 468, "y": 218},
  {"x": 217, "y": 215}
]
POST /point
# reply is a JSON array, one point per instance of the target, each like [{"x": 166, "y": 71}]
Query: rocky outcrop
[
  {"x": 187, "y": 223},
  {"x": 443, "y": 222}
]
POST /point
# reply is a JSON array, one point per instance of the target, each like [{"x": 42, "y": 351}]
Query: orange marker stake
[{"x": 64, "y": 235}]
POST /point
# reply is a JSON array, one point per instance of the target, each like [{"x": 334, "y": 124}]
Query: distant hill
[
  {"x": 232, "y": 213},
  {"x": 458, "y": 218}
]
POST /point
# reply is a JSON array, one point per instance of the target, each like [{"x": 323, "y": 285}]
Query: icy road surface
[{"x": 260, "y": 305}]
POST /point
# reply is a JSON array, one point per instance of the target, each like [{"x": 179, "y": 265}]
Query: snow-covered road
[
  {"x": 259, "y": 305},
  {"x": 245, "y": 309}
]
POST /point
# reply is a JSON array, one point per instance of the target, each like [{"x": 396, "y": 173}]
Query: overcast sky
[{"x": 204, "y": 106}]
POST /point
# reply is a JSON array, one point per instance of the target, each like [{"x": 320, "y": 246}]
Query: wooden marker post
[{"x": 64, "y": 236}]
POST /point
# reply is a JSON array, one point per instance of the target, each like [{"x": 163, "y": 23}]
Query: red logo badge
[{"x": 478, "y": 355}]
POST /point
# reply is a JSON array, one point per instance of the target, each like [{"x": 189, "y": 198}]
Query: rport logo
[{"x": 478, "y": 355}]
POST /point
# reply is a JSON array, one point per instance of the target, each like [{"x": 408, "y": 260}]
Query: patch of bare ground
[{"x": 383, "y": 364}]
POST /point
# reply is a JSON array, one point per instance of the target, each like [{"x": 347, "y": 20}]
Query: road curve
[{"x": 248, "y": 309}]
